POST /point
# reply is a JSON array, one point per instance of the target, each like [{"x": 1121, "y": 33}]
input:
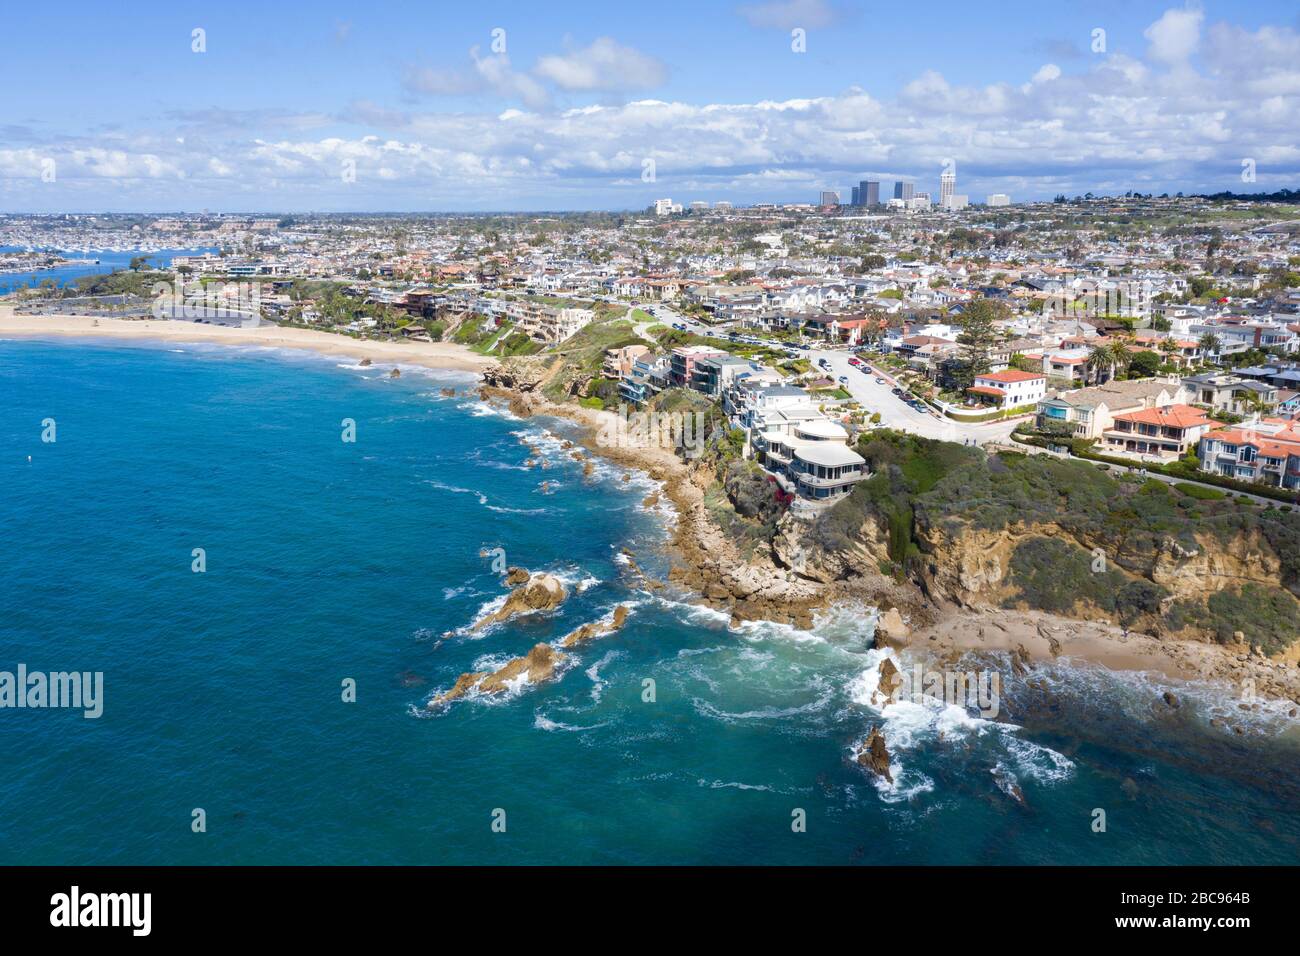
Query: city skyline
[{"x": 505, "y": 108}]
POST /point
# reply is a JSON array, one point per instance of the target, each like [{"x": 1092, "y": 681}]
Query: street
[{"x": 894, "y": 411}]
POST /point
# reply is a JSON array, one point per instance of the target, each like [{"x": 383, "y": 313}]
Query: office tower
[
  {"x": 857, "y": 197},
  {"x": 999, "y": 199},
  {"x": 869, "y": 189},
  {"x": 947, "y": 186},
  {"x": 830, "y": 197},
  {"x": 904, "y": 191}
]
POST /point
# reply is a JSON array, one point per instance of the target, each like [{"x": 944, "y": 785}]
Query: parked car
[{"x": 879, "y": 380}]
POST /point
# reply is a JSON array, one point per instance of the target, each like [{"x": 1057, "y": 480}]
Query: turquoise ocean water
[{"x": 328, "y": 561}]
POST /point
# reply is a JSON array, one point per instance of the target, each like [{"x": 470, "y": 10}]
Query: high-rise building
[
  {"x": 999, "y": 199},
  {"x": 904, "y": 191},
  {"x": 663, "y": 207},
  {"x": 869, "y": 190},
  {"x": 830, "y": 198},
  {"x": 857, "y": 196},
  {"x": 947, "y": 186}
]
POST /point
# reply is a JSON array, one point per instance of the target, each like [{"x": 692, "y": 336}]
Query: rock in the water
[
  {"x": 365, "y": 363},
  {"x": 1171, "y": 699},
  {"x": 874, "y": 756},
  {"x": 462, "y": 687},
  {"x": 596, "y": 628},
  {"x": 538, "y": 665},
  {"x": 516, "y": 576},
  {"x": 448, "y": 392},
  {"x": 892, "y": 631},
  {"x": 890, "y": 679},
  {"x": 541, "y": 592},
  {"x": 395, "y": 373}
]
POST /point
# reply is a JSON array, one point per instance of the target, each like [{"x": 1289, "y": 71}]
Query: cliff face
[{"x": 974, "y": 564}]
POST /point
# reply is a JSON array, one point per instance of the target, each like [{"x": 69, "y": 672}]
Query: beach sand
[{"x": 446, "y": 355}]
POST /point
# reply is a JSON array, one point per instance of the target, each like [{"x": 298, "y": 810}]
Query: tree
[
  {"x": 977, "y": 337},
  {"x": 138, "y": 263},
  {"x": 1101, "y": 359},
  {"x": 1209, "y": 343},
  {"x": 1144, "y": 364}
]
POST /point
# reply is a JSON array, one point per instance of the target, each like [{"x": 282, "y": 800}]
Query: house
[
  {"x": 1088, "y": 412},
  {"x": 807, "y": 454},
  {"x": 647, "y": 377},
  {"x": 619, "y": 361},
  {"x": 1009, "y": 388},
  {"x": 711, "y": 376},
  {"x": 1222, "y": 391},
  {"x": 681, "y": 364},
  {"x": 1266, "y": 452},
  {"x": 1167, "y": 431}
]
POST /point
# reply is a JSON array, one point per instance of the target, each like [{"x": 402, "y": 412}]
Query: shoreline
[
  {"x": 435, "y": 355},
  {"x": 709, "y": 566}
]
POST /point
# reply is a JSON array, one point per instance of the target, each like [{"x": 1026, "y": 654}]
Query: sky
[{"x": 432, "y": 106}]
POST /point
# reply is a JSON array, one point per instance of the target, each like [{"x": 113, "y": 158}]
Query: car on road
[
  {"x": 855, "y": 361},
  {"x": 897, "y": 391},
  {"x": 879, "y": 380},
  {"x": 844, "y": 379}
]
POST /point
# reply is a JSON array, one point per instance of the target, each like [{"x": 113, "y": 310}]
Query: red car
[{"x": 855, "y": 361}]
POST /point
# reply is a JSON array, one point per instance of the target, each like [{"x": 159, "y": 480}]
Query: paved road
[{"x": 875, "y": 397}]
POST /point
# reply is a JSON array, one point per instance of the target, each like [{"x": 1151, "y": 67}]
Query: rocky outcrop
[
  {"x": 541, "y": 592},
  {"x": 536, "y": 666},
  {"x": 874, "y": 756},
  {"x": 464, "y": 684},
  {"x": 597, "y": 629},
  {"x": 892, "y": 630},
  {"x": 890, "y": 681},
  {"x": 395, "y": 373},
  {"x": 516, "y": 576}
]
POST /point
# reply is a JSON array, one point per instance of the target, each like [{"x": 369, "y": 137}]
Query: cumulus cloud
[
  {"x": 604, "y": 66},
  {"x": 1175, "y": 36},
  {"x": 1170, "y": 121},
  {"x": 485, "y": 74}
]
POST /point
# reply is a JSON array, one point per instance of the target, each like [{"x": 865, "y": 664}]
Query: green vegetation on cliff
[{"x": 923, "y": 493}]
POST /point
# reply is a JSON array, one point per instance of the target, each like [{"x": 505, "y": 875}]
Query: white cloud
[
  {"x": 1176, "y": 35},
  {"x": 604, "y": 66},
  {"x": 1111, "y": 120}
]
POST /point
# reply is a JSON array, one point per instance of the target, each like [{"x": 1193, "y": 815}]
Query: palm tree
[
  {"x": 1120, "y": 355},
  {"x": 1209, "y": 343},
  {"x": 1100, "y": 358}
]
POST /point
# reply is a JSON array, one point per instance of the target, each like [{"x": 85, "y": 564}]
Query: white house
[{"x": 1010, "y": 388}]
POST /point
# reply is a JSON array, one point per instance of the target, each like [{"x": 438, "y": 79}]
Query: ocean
[
  {"x": 329, "y": 562},
  {"x": 104, "y": 261}
]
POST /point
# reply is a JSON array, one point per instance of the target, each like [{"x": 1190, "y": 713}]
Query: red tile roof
[
  {"x": 1176, "y": 416},
  {"x": 1010, "y": 375}
]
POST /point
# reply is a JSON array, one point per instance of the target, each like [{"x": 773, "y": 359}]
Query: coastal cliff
[{"x": 1057, "y": 554}]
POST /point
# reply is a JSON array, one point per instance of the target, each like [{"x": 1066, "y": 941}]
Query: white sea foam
[{"x": 593, "y": 674}]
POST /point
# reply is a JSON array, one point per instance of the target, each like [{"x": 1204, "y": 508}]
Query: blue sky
[{"x": 387, "y": 106}]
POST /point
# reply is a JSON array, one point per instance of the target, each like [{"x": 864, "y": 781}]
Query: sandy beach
[{"x": 447, "y": 355}]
